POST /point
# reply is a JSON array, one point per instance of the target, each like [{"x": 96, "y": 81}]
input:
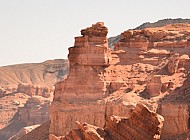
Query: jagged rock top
[
  {"x": 170, "y": 33},
  {"x": 161, "y": 23},
  {"x": 96, "y": 30}
]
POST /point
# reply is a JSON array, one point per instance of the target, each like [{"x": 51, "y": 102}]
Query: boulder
[{"x": 142, "y": 124}]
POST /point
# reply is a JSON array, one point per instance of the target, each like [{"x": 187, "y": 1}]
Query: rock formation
[
  {"x": 2, "y": 92},
  {"x": 35, "y": 111},
  {"x": 33, "y": 90},
  {"x": 40, "y": 133},
  {"x": 19, "y": 81},
  {"x": 95, "y": 73},
  {"x": 44, "y": 74},
  {"x": 145, "y": 67},
  {"x": 23, "y": 132},
  {"x": 173, "y": 64},
  {"x": 141, "y": 125},
  {"x": 84, "y": 86},
  {"x": 159, "y": 23},
  {"x": 9, "y": 122},
  {"x": 175, "y": 110}
]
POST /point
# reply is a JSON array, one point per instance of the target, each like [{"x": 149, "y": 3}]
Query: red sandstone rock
[
  {"x": 176, "y": 119},
  {"x": 23, "y": 132},
  {"x": 158, "y": 85},
  {"x": 97, "y": 30},
  {"x": 2, "y": 92},
  {"x": 173, "y": 64},
  {"x": 40, "y": 133},
  {"x": 102, "y": 83},
  {"x": 35, "y": 111},
  {"x": 87, "y": 58},
  {"x": 32, "y": 90},
  {"x": 141, "y": 125},
  {"x": 154, "y": 86},
  {"x": 175, "y": 110}
]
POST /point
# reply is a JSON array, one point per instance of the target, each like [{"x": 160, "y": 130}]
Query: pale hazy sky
[{"x": 38, "y": 30}]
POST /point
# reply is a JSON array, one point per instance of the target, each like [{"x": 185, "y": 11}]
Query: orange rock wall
[
  {"x": 96, "y": 73},
  {"x": 176, "y": 119},
  {"x": 141, "y": 125}
]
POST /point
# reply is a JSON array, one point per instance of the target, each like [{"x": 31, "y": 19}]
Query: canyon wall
[
  {"x": 35, "y": 111},
  {"x": 33, "y": 90},
  {"x": 145, "y": 66},
  {"x": 142, "y": 124}
]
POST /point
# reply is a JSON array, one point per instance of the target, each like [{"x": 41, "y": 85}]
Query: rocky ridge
[
  {"x": 145, "y": 66},
  {"x": 148, "y": 67},
  {"x": 159, "y": 23},
  {"x": 41, "y": 74}
]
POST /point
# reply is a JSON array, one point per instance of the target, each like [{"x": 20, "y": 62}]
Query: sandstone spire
[{"x": 85, "y": 85}]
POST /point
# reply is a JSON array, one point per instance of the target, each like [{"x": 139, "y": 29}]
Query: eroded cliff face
[
  {"x": 35, "y": 111},
  {"x": 19, "y": 81},
  {"x": 175, "y": 110},
  {"x": 76, "y": 99},
  {"x": 142, "y": 124},
  {"x": 33, "y": 90},
  {"x": 145, "y": 66}
]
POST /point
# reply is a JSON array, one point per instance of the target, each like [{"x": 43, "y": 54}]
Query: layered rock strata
[
  {"x": 33, "y": 90},
  {"x": 35, "y": 111},
  {"x": 102, "y": 83},
  {"x": 141, "y": 124},
  {"x": 76, "y": 99},
  {"x": 175, "y": 110}
]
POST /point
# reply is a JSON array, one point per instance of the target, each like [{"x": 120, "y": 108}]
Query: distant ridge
[
  {"x": 161, "y": 23},
  {"x": 42, "y": 74}
]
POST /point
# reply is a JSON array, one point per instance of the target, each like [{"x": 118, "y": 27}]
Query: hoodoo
[
  {"x": 101, "y": 82},
  {"x": 77, "y": 98}
]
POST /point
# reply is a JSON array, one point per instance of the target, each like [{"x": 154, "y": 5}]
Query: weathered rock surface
[
  {"x": 176, "y": 119},
  {"x": 20, "y": 110},
  {"x": 2, "y": 92},
  {"x": 175, "y": 110},
  {"x": 9, "y": 105},
  {"x": 87, "y": 59},
  {"x": 173, "y": 64},
  {"x": 159, "y": 23},
  {"x": 142, "y": 68},
  {"x": 141, "y": 125},
  {"x": 44, "y": 74},
  {"x": 40, "y": 133},
  {"x": 19, "y": 81},
  {"x": 23, "y": 132},
  {"x": 35, "y": 111},
  {"x": 33, "y": 90}
]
